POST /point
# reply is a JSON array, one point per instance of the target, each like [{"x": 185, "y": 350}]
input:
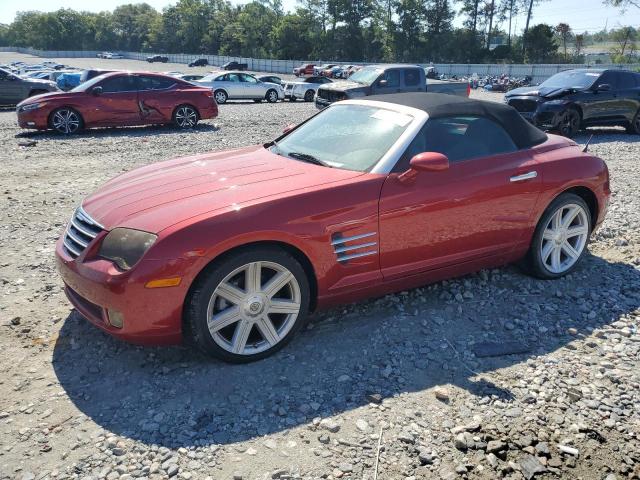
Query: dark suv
[
  {"x": 571, "y": 100},
  {"x": 14, "y": 89},
  {"x": 201, "y": 62}
]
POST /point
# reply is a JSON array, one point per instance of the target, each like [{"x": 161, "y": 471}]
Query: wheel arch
[
  {"x": 590, "y": 199},
  {"x": 294, "y": 251},
  {"x": 220, "y": 89}
]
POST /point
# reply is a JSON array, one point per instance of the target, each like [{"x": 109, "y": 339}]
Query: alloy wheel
[
  {"x": 253, "y": 308},
  {"x": 220, "y": 97},
  {"x": 66, "y": 121},
  {"x": 564, "y": 238},
  {"x": 308, "y": 96},
  {"x": 569, "y": 123},
  {"x": 186, "y": 117},
  {"x": 272, "y": 96}
]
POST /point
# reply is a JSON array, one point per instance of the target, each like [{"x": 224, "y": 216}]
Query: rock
[
  {"x": 530, "y": 466},
  {"x": 344, "y": 378},
  {"x": 172, "y": 471},
  {"x": 425, "y": 456},
  {"x": 494, "y": 446},
  {"x": 441, "y": 393},
  {"x": 237, "y": 476},
  {"x": 374, "y": 398},
  {"x": 323, "y": 438},
  {"x": 362, "y": 425},
  {"x": 330, "y": 425},
  {"x": 464, "y": 441},
  {"x": 406, "y": 437},
  {"x": 345, "y": 467},
  {"x": 543, "y": 449}
]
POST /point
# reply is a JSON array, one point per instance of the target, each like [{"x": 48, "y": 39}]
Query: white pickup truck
[{"x": 381, "y": 79}]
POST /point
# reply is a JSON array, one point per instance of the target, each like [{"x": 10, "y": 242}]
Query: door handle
[{"x": 524, "y": 176}]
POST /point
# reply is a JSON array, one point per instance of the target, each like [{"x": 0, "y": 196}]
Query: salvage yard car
[
  {"x": 119, "y": 99},
  {"x": 383, "y": 79},
  {"x": 231, "y": 250},
  {"x": 157, "y": 58},
  {"x": 575, "y": 99},
  {"x": 240, "y": 86},
  {"x": 305, "y": 89},
  {"x": 14, "y": 89}
]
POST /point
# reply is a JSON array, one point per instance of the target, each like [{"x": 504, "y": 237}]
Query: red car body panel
[
  {"x": 425, "y": 226},
  {"x": 113, "y": 109}
]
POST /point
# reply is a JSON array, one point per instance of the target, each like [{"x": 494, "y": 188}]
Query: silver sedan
[{"x": 240, "y": 86}]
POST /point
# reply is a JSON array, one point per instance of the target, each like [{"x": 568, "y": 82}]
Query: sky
[{"x": 581, "y": 15}]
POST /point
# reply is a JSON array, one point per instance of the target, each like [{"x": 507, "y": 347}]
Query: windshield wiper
[{"x": 305, "y": 157}]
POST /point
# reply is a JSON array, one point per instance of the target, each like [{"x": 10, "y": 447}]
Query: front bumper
[
  {"x": 36, "y": 119},
  {"x": 151, "y": 316},
  {"x": 544, "y": 115}
]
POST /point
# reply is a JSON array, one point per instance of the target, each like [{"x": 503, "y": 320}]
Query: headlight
[
  {"x": 31, "y": 106},
  {"x": 125, "y": 246},
  {"x": 560, "y": 101}
]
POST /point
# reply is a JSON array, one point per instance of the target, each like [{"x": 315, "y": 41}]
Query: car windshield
[
  {"x": 86, "y": 86},
  {"x": 571, "y": 79},
  {"x": 366, "y": 76},
  {"x": 351, "y": 137}
]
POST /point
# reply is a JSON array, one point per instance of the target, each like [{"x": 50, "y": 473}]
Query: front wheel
[
  {"x": 185, "y": 116},
  {"x": 65, "y": 120},
  {"x": 561, "y": 237},
  {"x": 272, "y": 96},
  {"x": 308, "y": 95},
  {"x": 248, "y": 306},
  {"x": 569, "y": 123}
]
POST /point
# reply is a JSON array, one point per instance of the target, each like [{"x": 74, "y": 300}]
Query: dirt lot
[{"x": 78, "y": 404}]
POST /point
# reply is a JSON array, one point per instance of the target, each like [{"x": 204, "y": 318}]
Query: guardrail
[{"x": 538, "y": 72}]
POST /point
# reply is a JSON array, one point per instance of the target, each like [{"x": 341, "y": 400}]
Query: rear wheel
[
  {"x": 65, "y": 120},
  {"x": 569, "y": 124},
  {"x": 271, "y": 96},
  {"x": 220, "y": 96},
  {"x": 634, "y": 126},
  {"x": 561, "y": 237},
  {"x": 248, "y": 306},
  {"x": 185, "y": 116},
  {"x": 308, "y": 95}
]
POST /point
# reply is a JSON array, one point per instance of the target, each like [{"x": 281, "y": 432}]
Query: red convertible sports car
[
  {"x": 119, "y": 99},
  {"x": 231, "y": 250}
]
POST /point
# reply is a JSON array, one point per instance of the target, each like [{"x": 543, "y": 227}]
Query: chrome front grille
[
  {"x": 356, "y": 246},
  {"x": 81, "y": 230}
]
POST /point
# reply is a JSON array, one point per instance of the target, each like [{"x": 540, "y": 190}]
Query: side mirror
[
  {"x": 603, "y": 87},
  {"x": 96, "y": 91},
  {"x": 382, "y": 83},
  {"x": 429, "y": 162},
  {"x": 288, "y": 128}
]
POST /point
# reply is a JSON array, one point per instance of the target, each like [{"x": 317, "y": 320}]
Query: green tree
[
  {"x": 564, "y": 33},
  {"x": 540, "y": 44}
]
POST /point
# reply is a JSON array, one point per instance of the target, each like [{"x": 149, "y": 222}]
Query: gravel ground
[{"x": 405, "y": 371}]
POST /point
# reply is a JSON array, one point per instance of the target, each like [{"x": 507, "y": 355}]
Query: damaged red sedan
[
  {"x": 231, "y": 250},
  {"x": 119, "y": 99}
]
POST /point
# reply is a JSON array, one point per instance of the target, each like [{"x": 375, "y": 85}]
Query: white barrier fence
[{"x": 538, "y": 72}]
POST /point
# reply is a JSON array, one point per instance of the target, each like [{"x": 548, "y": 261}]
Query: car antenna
[{"x": 586, "y": 145}]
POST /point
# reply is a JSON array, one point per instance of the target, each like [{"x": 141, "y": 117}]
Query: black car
[
  {"x": 234, "y": 66},
  {"x": 157, "y": 58},
  {"x": 201, "y": 62},
  {"x": 574, "y": 99},
  {"x": 271, "y": 79}
]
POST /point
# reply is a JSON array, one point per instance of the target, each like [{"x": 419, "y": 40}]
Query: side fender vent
[{"x": 356, "y": 246}]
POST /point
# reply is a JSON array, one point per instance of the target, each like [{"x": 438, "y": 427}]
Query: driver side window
[
  {"x": 392, "y": 77},
  {"x": 460, "y": 139},
  {"x": 247, "y": 78}
]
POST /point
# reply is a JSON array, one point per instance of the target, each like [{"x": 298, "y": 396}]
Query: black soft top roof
[{"x": 439, "y": 105}]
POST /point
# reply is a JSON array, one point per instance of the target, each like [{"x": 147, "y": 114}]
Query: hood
[
  {"x": 58, "y": 95},
  {"x": 343, "y": 86},
  {"x": 546, "y": 92},
  {"x": 155, "y": 197}
]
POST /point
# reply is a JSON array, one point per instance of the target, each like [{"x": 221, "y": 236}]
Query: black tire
[
  {"x": 33, "y": 93},
  {"x": 634, "y": 127},
  {"x": 292, "y": 99},
  {"x": 220, "y": 96},
  {"x": 569, "y": 124},
  {"x": 308, "y": 95},
  {"x": 534, "y": 263},
  {"x": 271, "y": 96},
  {"x": 197, "y": 304},
  {"x": 75, "y": 123},
  {"x": 185, "y": 116}
]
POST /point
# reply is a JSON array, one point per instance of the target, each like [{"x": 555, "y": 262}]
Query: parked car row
[
  {"x": 329, "y": 70},
  {"x": 305, "y": 89},
  {"x": 109, "y": 55}
]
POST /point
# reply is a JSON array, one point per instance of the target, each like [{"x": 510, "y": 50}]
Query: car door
[
  {"x": 628, "y": 95},
  {"x": 156, "y": 98},
  {"x": 252, "y": 87},
  {"x": 234, "y": 86},
  {"x": 481, "y": 206},
  {"x": 117, "y": 104},
  {"x": 604, "y": 103},
  {"x": 388, "y": 82},
  {"x": 11, "y": 89}
]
